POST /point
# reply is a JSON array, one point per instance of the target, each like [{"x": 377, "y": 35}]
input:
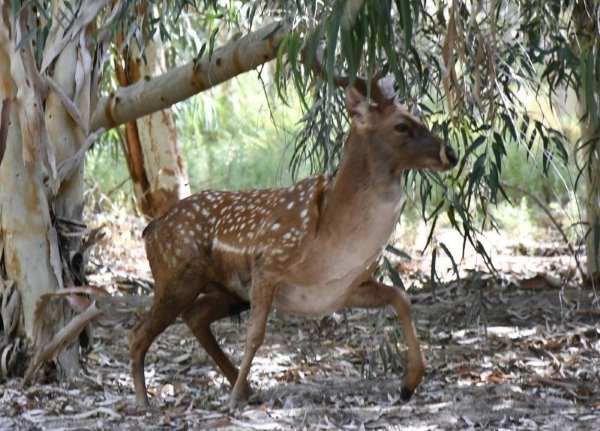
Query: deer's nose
[{"x": 451, "y": 155}]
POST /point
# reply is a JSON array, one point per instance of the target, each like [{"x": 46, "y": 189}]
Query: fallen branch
[
  {"x": 62, "y": 339},
  {"x": 103, "y": 306}
]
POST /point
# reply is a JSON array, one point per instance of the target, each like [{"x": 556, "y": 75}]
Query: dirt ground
[{"x": 512, "y": 352}]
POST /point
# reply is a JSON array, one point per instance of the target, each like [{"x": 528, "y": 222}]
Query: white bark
[
  {"x": 65, "y": 136},
  {"x": 45, "y": 129},
  {"x": 28, "y": 237},
  {"x": 164, "y": 179},
  {"x": 158, "y": 135},
  {"x": 72, "y": 77}
]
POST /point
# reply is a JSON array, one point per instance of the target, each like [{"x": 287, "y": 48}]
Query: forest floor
[{"x": 515, "y": 351}]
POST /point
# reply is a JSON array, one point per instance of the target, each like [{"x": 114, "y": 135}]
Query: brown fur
[{"x": 308, "y": 249}]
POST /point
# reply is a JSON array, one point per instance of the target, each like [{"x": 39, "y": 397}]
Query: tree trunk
[
  {"x": 39, "y": 205},
  {"x": 150, "y": 143},
  {"x": 43, "y": 125},
  {"x": 29, "y": 240},
  {"x": 588, "y": 49},
  {"x": 590, "y": 136}
]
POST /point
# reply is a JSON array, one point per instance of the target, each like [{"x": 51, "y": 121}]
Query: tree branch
[
  {"x": 153, "y": 94},
  {"x": 68, "y": 334}
]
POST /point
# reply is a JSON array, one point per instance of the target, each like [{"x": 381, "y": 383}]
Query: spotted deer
[{"x": 309, "y": 249}]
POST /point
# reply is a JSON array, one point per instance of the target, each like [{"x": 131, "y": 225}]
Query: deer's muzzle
[{"x": 448, "y": 156}]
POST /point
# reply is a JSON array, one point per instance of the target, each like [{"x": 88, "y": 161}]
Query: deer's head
[{"x": 396, "y": 139}]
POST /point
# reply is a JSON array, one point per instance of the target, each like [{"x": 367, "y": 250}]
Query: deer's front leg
[
  {"x": 372, "y": 294},
  {"x": 261, "y": 299}
]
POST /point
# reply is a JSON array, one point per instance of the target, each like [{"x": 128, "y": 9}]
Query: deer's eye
[{"x": 402, "y": 128}]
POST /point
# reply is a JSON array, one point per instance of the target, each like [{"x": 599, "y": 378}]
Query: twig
[
  {"x": 591, "y": 312},
  {"x": 117, "y": 187},
  {"x": 554, "y": 222}
]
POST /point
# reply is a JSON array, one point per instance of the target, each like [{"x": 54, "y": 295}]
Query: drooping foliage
[{"x": 471, "y": 67}]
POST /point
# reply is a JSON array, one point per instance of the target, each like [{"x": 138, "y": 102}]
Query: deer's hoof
[
  {"x": 236, "y": 403},
  {"x": 142, "y": 403},
  {"x": 239, "y": 398},
  {"x": 254, "y": 399},
  {"x": 406, "y": 394}
]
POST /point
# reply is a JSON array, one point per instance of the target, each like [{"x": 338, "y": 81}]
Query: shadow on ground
[{"x": 499, "y": 357}]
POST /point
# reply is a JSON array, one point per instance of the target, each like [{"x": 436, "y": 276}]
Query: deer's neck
[{"x": 364, "y": 197}]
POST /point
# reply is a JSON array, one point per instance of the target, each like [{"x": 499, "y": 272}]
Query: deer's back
[{"x": 226, "y": 236}]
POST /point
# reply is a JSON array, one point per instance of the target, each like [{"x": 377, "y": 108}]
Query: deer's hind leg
[
  {"x": 216, "y": 304},
  {"x": 372, "y": 294},
  {"x": 261, "y": 299},
  {"x": 171, "y": 298}
]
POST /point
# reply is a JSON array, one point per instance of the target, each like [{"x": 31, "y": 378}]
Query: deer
[{"x": 309, "y": 249}]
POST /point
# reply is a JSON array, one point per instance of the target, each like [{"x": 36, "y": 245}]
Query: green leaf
[
  {"x": 433, "y": 272},
  {"x": 476, "y": 144},
  {"x": 332, "y": 30},
  {"x": 476, "y": 173},
  {"x": 589, "y": 84},
  {"x": 430, "y": 236},
  {"x": 393, "y": 274},
  {"x": 211, "y": 42},
  {"x": 454, "y": 266},
  {"x": 397, "y": 252},
  {"x": 406, "y": 21},
  {"x": 451, "y": 216}
]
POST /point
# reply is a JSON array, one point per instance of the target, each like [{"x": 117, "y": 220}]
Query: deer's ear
[{"x": 356, "y": 103}]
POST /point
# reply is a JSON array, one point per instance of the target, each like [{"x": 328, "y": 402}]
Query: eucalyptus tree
[
  {"x": 52, "y": 56},
  {"x": 466, "y": 65},
  {"x": 150, "y": 144}
]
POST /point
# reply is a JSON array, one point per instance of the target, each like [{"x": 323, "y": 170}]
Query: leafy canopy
[{"x": 468, "y": 65}]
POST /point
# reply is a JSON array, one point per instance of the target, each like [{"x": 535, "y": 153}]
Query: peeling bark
[
  {"x": 150, "y": 143},
  {"x": 28, "y": 237},
  {"x": 65, "y": 137},
  {"x": 44, "y": 133},
  {"x": 45, "y": 127},
  {"x": 4, "y": 115}
]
